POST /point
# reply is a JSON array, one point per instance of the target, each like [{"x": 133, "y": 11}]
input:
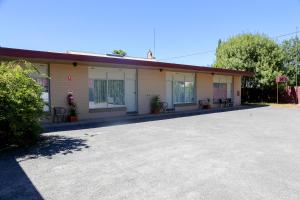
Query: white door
[{"x": 130, "y": 91}]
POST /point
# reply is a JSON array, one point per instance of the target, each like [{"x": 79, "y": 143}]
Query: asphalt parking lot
[{"x": 244, "y": 154}]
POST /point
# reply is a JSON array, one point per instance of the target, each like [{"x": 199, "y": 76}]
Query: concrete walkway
[{"x": 132, "y": 118}]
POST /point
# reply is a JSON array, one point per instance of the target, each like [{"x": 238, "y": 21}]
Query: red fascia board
[{"x": 30, "y": 54}]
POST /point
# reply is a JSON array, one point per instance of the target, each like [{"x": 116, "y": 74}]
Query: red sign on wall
[{"x": 281, "y": 79}]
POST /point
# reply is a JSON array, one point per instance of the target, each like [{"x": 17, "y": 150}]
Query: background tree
[
  {"x": 252, "y": 52},
  {"x": 21, "y": 105},
  {"x": 291, "y": 50},
  {"x": 119, "y": 52}
]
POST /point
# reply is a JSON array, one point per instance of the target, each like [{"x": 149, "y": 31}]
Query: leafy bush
[
  {"x": 21, "y": 105},
  {"x": 155, "y": 104}
]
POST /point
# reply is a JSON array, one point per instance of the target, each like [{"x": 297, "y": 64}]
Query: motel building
[{"x": 111, "y": 85}]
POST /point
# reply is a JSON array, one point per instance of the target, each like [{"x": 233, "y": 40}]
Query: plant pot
[
  {"x": 73, "y": 118},
  {"x": 156, "y": 111},
  {"x": 206, "y": 106}
]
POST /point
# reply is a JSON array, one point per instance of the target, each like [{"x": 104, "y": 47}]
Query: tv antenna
[{"x": 154, "y": 41}]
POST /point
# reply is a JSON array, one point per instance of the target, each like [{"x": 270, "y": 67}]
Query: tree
[
  {"x": 21, "y": 105},
  {"x": 219, "y": 43},
  {"x": 252, "y": 52},
  {"x": 291, "y": 49},
  {"x": 119, "y": 52}
]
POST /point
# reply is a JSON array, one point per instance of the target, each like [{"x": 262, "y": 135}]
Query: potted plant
[
  {"x": 155, "y": 105},
  {"x": 72, "y": 117},
  {"x": 73, "y": 114}
]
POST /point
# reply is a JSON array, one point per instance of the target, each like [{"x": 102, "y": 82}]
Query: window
[
  {"x": 100, "y": 91},
  {"x": 107, "y": 88},
  {"x": 43, "y": 80},
  {"x": 106, "y": 93},
  {"x": 220, "y": 90},
  {"x": 183, "y": 88},
  {"x": 189, "y": 91},
  {"x": 178, "y": 91},
  {"x": 222, "y": 87},
  {"x": 115, "y": 93}
]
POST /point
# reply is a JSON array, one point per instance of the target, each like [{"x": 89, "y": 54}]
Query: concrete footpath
[{"x": 131, "y": 118}]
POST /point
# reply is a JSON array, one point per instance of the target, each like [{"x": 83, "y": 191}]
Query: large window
[
  {"x": 222, "y": 87},
  {"x": 106, "y": 93},
  {"x": 181, "y": 88},
  {"x": 178, "y": 91},
  {"x": 189, "y": 91},
  {"x": 43, "y": 80},
  {"x": 220, "y": 90},
  {"x": 107, "y": 88}
]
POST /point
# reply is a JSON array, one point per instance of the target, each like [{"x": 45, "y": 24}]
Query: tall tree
[
  {"x": 291, "y": 49},
  {"x": 119, "y": 52},
  {"x": 252, "y": 52}
]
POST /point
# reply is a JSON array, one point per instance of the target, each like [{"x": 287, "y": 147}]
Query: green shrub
[
  {"x": 21, "y": 105},
  {"x": 155, "y": 104}
]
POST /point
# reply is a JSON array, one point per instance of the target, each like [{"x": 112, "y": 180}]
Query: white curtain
[{"x": 183, "y": 87}]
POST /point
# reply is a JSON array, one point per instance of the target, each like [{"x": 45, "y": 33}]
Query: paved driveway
[{"x": 245, "y": 154}]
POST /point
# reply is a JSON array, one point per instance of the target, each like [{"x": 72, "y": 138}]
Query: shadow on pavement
[
  {"x": 14, "y": 183},
  {"x": 51, "y": 145}
]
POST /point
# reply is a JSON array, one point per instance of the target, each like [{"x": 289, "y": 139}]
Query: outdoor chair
[
  {"x": 204, "y": 103},
  {"x": 217, "y": 102},
  {"x": 59, "y": 114},
  {"x": 163, "y": 106},
  {"x": 229, "y": 102}
]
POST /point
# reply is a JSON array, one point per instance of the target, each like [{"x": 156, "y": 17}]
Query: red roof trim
[{"x": 30, "y": 54}]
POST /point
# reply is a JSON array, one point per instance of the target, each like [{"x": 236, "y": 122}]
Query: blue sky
[{"x": 182, "y": 27}]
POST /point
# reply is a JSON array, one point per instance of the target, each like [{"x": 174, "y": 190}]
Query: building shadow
[
  {"x": 14, "y": 182},
  {"x": 104, "y": 122}
]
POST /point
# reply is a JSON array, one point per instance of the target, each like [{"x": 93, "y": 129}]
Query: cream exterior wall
[
  {"x": 151, "y": 82},
  {"x": 60, "y": 86},
  {"x": 237, "y": 84},
  {"x": 204, "y": 86}
]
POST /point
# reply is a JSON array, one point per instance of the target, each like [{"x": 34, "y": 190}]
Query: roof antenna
[{"x": 154, "y": 34}]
